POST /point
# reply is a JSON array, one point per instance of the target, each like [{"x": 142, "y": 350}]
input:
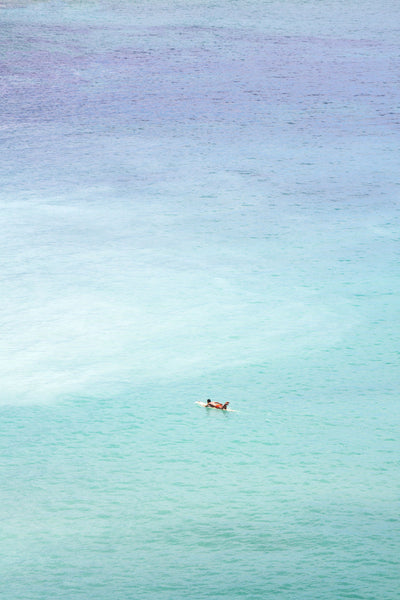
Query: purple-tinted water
[{"x": 199, "y": 200}]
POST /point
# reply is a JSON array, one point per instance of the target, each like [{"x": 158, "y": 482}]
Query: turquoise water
[{"x": 200, "y": 199}]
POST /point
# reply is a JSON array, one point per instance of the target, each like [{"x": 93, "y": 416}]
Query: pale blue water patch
[{"x": 200, "y": 200}]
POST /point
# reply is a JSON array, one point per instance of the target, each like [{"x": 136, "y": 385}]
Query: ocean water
[{"x": 200, "y": 199}]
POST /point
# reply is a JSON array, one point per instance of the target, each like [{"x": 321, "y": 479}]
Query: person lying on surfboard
[{"x": 217, "y": 405}]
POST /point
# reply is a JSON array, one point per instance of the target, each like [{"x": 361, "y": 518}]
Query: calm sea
[{"x": 200, "y": 199}]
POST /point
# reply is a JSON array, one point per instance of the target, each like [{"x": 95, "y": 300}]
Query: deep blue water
[{"x": 200, "y": 199}]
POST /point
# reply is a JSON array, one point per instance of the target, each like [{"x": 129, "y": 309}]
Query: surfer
[{"x": 217, "y": 405}]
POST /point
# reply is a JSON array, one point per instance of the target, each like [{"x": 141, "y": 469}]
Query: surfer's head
[{"x": 208, "y": 401}]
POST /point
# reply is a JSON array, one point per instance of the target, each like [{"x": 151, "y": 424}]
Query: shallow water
[{"x": 200, "y": 200}]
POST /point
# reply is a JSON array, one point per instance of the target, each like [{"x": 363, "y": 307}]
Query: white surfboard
[{"x": 207, "y": 406}]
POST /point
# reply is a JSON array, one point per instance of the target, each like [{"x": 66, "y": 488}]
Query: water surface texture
[{"x": 200, "y": 200}]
